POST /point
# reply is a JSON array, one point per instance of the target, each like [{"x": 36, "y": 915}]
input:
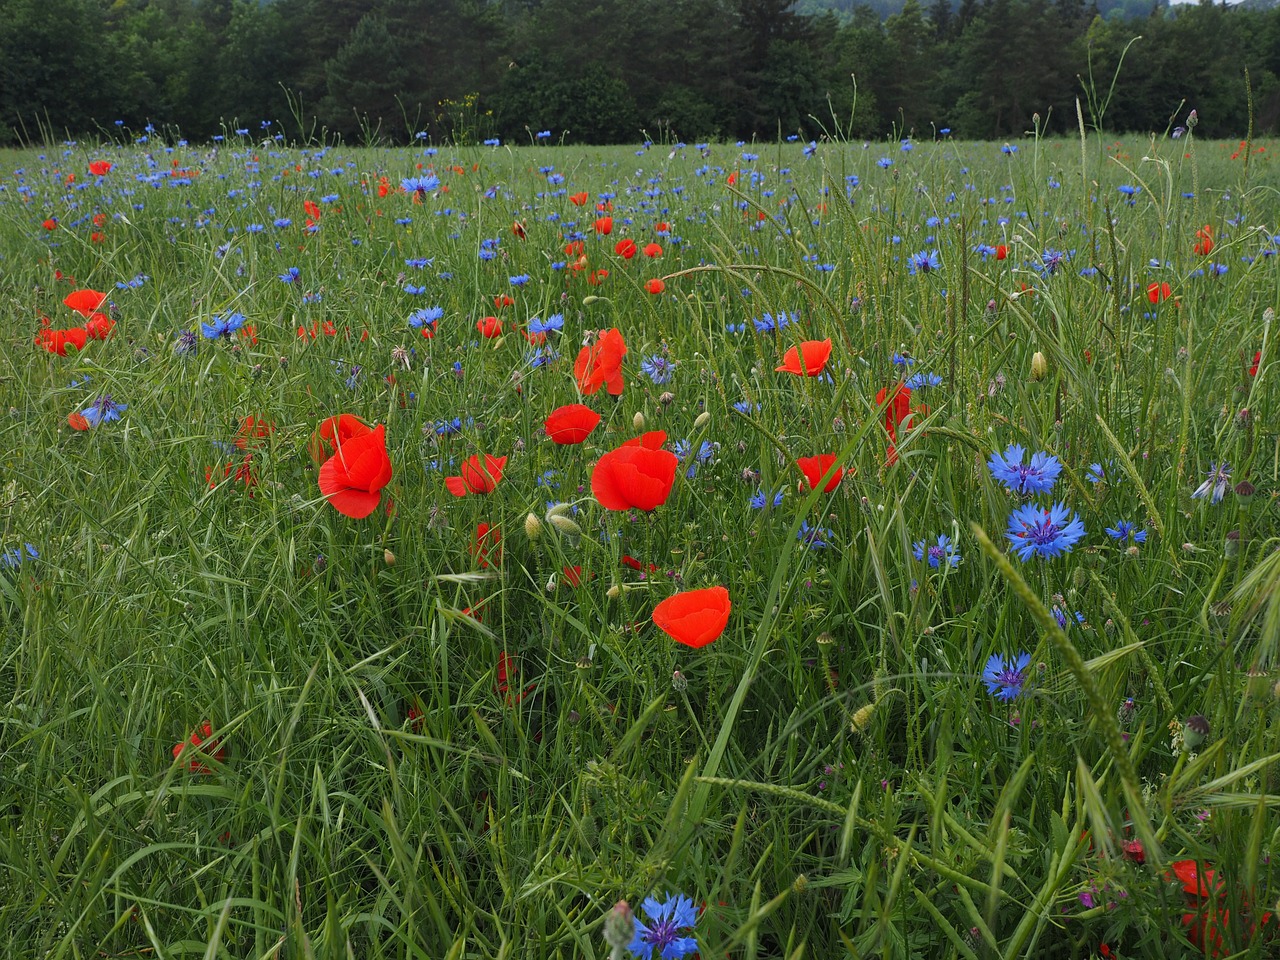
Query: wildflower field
[{"x": 830, "y": 550}]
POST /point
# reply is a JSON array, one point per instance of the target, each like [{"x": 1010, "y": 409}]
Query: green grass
[{"x": 830, "y": 777}]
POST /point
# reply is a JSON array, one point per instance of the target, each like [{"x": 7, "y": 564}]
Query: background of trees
[{"x": 602, "y": 71}]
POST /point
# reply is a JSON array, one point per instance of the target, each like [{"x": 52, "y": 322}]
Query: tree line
[{"x": 606, "y": 71}]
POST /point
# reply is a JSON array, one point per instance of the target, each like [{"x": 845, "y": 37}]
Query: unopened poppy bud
[
  {"x": 557, "y": 510},
  {"x": 614, "y": 592},
  {"x": 565, "y": 525},
  {"x": 1195, "y": 731},
  {"x": 588, "y": 301},
  {"x": 532, "y": 527},
  {"x": 858, "y": 722},
  {"x": 637, "y": 422},
  {"x": 388, "y": 558},
  {"x": 703, "y": 419},
  {"x": 619, "y": 926},
  {"x": 1039, "y": 366}
]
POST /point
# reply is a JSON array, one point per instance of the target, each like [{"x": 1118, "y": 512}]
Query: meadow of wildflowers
[{"x": 758, "y": 550}]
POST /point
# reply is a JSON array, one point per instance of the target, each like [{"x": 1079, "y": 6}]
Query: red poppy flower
[
  {"x": 353, "y": 478},
  {"x": 99, "y": 326},
  {"x": 84, "y": 302},
  {"x": 604, "y": 225},
  {"x": 502, "y": 300},
  {"x": 808, "y": 359},
  {"x": 508, "y": 670},
  {"x": 597, "y": 277},
  {"x": 625, "y": 248},
  {"x": 695, "y": 617},
  {"x": 815, "y": 468},
  {"x": 517, "y": 228},
  {"x": 634, "y": 564},
  {"x": 57, "y": 341},
  {"x": 578, "y": 199},
  {"x": 477, "y": 477},
  {"x": 1204, "y": 241},
  {"x": 571, "y": 423},
  {"x": 661, "y": 228},
  {"x": 487, "y": 545},
  {"x": 1210, "y": 918},
  {"x": 243, "y": 473},
  {"x": 573, "y": 576},
  {"x": 652, "y": 250},
  {"x": 50, "y": 224},
  {"x": 732, "y": 178},
  {"x": 637, "y": 474},
  {"x": 600, "y": 364},
  {"x": 655, "y": 286},
  {"x": 252, "y": 430},
  {"x": 896, "y": 414},
  {"x": 334, "y": 432},
  {"x": 1002, "y": 252},
  {"x": 1257, "y": 359},
  {"x": 489, "y": 327},
  {"x": 1157, "y": 292},
  {"x": 201, "y": 739}
]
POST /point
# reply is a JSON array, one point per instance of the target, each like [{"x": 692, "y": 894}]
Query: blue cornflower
[
  {"x": 553, "y": 323},
  {"x": 427, "y": 316},
  {"x": 1038, "y": 477},
  {"x": 222, "y": 326},
  {"x": 1052, "y": 259},
  {"x": 684, "y": 451},
  {"x": 761, "y": 497},
  {"x": 1100, "y": 473},
  {"x": 657, "y": 368},
  {"x": 1035, "y": 531},
  {"x": 918, "y": 380},
  {"x": 816, "y": 538},
  {"x": 1005, "y": 678},
  {"x": 662, "y": 932},
  {"x": 902, "y": 360},
  {"x": 185, "y": 344},
  {"x": 282, "y": 223},
  {"x": 103, "y": 410},
  {"x": 770, "y": 323},
  {"x": 419, "y": 262},
  {"x": 520, "y": 280},
  {"x": 1009, "y": 148},
  {"x": 289, "y": 275},
  {"x": 427, "y": 184},
  {"x": 811, "y": 149},
  {"x": 884, "y": 163},
  {"x": 1124, "y": 530},
  {"x": 413, "y": 290},
  {"x": 746, "y": 407},
  {"x": 944, "y": 551},
  {"x": 447, "y": 428},
  {"x": 926, "y": 261},
  {"x": 1217, "y": 482},
  {"x": 14, "y": 556}
]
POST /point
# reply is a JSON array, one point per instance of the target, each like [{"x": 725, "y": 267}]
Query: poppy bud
[
  {"x": 638, "y": 421},
  {"x": 614, "y": 592},
  {"x": 800, "y": 884},
  {"x": 388, "y": 558},
  {"x": 565, "y": 525},
  {"x": 1195, "y": 731},
  {"x": 588, "y": 301},
  {"x": 703, "y": 419},
  {"x": 532, "y": 527},
  {"x": 619, "y": 926},
  {"x": 862, "y": 717},
  {"x": 558, "y": 510},
  {"x": 1039, "y": 366}
]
